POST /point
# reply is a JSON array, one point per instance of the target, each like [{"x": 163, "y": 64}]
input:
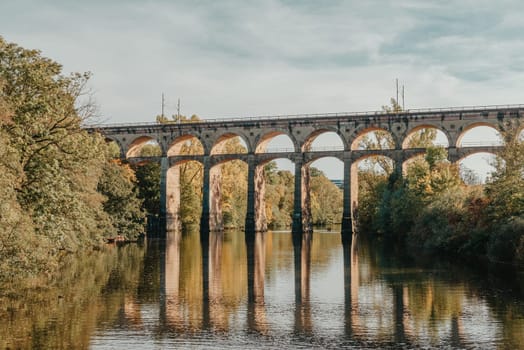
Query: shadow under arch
[
  {"x": 187, "y": 144},
  {"x": 268, "y": 137},
  {"x": 224, "y": 143},
  {"x": 310, "y": 139},
  {"x": 136, "y": 145},
  {"x": 388, "y": 143}
]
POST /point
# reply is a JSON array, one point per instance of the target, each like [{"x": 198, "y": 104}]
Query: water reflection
[
  {"x": 351, "y": 285},
  {"x": 302, "y": 264},
  {"x": 273, "y": 289},
  {"x": 256, "y": 265}
]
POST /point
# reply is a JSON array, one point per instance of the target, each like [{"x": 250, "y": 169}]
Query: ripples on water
[{"x": 265, "y": 292}]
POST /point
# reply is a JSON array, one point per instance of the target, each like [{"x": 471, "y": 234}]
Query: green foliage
[
  {"x": 423, "y": 138},
  {"x": 432, "y": 208},
  {"x": 148, "y": 185},
  {"x": 506, "y": 187},
  {"x": 371, "y": 188},
  {"x": 177, "y": 119},
  {"x": 150, "y": 150},
  {"x": 191, "y": 187},
  {"x": 50, "y": 167},
  {"x": 117, "y": 183},
  {"x": 279, "y": 196},
  {"x": 506, "y": 242},
  {"x": 234, "y": 187},
  {"x": 326, "y": 199},
  {"x": 113, "y": 150}
]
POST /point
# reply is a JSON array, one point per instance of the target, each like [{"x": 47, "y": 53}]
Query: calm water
[{"x": 270, "y": 292}]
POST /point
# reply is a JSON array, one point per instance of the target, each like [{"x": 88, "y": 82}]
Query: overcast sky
[
  {"x": 273, "y": 57},
  {"x": 248, "y": 58}
]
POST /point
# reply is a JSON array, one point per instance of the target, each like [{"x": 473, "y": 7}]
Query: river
[{"x": 267, "y": 291}]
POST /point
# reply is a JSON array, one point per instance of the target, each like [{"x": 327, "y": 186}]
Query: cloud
[{"x": 234, "y": 58}]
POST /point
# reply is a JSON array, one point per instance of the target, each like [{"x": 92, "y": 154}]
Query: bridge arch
[
  {"x": 467, "y": 129},
  {"x": 223, "y": 196},
  {"x": 476, "y": 165},
  {"x": 325, "y": 131},
  {"x": 388, "y": 142},
  {"x": 134, "y": 148},
  {"x": 368, "y": 160},
  {"x": 442, "y": 137},
  {"x": 220, "y": 145},
  {"x": 186, "y": 144},
  {"x": 382, "y": 164},
  {"x": 265, "y": 139},
  {"x": 274, "y": 196},
  {"x": 184, "y": 179},
  {"x": 322, "y": 198},
  {"x": 315, "y": 156}
]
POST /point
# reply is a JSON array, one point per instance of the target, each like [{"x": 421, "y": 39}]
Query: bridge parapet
[{"x": 303, "y": 129}]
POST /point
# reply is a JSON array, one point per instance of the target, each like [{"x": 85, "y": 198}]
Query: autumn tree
[
  {"x": 52, "y": 166},
  {"x": 505, "y": 194},
  {"x": 326, "y": 199}
]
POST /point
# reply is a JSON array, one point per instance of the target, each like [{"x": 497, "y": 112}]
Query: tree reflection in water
[{"x": 262, "y": 289}]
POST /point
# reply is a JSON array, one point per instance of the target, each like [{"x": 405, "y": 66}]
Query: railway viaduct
[{"x": 302, "y": 130}]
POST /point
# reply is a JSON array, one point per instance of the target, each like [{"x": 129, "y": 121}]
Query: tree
[
  {"x": 505, "y": 194},
  {"x": 117, "y": 184},
  {"x": 50, "y": 166},
  {"x": 59, "y": 161},
  {"x": 326, "y": 199},
  {"x": 279, "y": 196},
  {"x": 506, "y": 187},
  {"x": 148, "y": 185}
]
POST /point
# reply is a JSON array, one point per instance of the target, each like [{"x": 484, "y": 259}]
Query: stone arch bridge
[{"x": 302, "y": 130}]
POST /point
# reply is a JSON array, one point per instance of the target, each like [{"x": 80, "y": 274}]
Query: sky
[{"x": 276, "y": 57}]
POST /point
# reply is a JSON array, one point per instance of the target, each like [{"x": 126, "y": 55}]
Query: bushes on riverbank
[{"x": 432, "y": 208}]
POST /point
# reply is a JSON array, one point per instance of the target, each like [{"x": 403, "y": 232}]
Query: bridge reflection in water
[{"x": 217, "y": 284}]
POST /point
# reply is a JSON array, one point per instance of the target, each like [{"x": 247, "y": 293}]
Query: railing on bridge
[
  {"x": 485, "y": 143},
  {"x": 317, "y": 115},
  {"x": 312, "y": 149}
]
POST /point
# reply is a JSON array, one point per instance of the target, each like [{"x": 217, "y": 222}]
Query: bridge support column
[
  {"x": 398, "y": 165},
  {"x": 256, "y": 189},
  {"x": 173, "y": 198},
  {"x": 453, "y": 155},
  {"x": 306, "y": 200},
  {"x": 297, "y": 199},
  {"x": 215, "y": 196},
  {"x": 260, "y": 202},
  {"x": 347, "y": 216},
  {"x": 204, "y": 219},
  {"x": 164, "y": 166},
  {"x": 250, "y": 212}
]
